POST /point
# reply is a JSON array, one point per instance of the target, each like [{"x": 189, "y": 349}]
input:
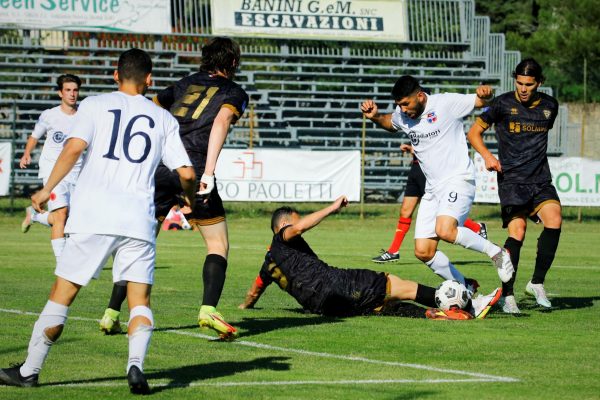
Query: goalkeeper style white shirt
[
  {"x": 438, "y": 137},
  {"x": 56, "y": 125},
  {"x": 127, "y": 137}
]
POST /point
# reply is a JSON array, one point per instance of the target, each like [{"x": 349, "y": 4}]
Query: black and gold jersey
[
  {"x": 317, "y": 286},
  {"x": 195, "y": 102},
  {"x": 295, "y": 267},
  {"x": 522, "y": 134}
]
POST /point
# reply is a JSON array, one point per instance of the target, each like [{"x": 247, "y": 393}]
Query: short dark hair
[
  {"x": 280, "y": 213},
  {"x": 220, "y": 54},
  {"x": 134, "y": 65},
  {"x": 405, "y": 86},
  {"x": 529, "y": 67},
  {"x": 61, "y": 80}
]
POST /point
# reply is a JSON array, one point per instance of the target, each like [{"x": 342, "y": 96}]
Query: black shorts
[
  {"x": 169, "y": 193},
  {"x": 415, "y": 184},
  {"x": 525, "y": 200},
  {"x": 354, "y": 292}
]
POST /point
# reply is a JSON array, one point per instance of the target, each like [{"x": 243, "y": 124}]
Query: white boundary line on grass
[{"x": 477, "y": 377}]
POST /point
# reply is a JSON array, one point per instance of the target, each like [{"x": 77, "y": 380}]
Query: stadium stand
[{"x": 305, "y": 94}]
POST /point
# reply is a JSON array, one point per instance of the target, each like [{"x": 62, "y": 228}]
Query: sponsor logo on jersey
[
  {"x": 415, "y": 138},
  {"x": 58, "y": 137},
  {"x": 517, "y": 127},
  {"x": 547, "y": 114},
  {"x": 431, "y": 117}
]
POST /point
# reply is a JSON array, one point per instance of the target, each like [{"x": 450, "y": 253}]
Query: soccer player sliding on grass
[{"x": 327, "y": 290}]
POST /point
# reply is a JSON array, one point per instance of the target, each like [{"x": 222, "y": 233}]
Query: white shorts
[
  {"x": 454, "y": 198},
  {"x": 85, "y": 255},
  {"x": 61, "y": 195}
]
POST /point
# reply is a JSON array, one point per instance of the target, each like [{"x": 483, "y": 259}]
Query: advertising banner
[
  {"x": 378, "y": 20},
  {"x": 288, "y": 175},
  {"x": 145, "y": 16},
  {"x": 576, "y": 179},
  {"x": 5, "y": 168}
]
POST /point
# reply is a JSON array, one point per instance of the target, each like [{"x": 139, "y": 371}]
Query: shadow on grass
[
  {"x": 559, "y": 303},
  {"x": 182, "y": 377},
  {"x": 257, "y": 326}
]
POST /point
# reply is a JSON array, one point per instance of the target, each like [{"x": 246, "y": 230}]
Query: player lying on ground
[
  {"x": 326, "y": 290},
  {"x": 414, "y": 190}
]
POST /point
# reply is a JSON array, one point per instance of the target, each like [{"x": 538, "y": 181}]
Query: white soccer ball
[{"x": 451, "y": 294}]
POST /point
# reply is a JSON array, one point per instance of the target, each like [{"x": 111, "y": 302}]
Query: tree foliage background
[{"x": 559, "y": 34}]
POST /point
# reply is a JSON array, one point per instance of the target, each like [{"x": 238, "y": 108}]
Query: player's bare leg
[
  {"x": 213, "y": 275},
  {"x": 46, "y": 332}
]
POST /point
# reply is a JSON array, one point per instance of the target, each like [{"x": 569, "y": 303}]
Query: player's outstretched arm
[
  {"x": 253, "y": 294},
  {"x": 187, "y": 177},
  {"x": 218, "y": 134},
  {"x": 371, "y": 111},
  {"x": 475, "y": 137},
  {"x": 312, "y": 220},
  {"x": 485, "y": 94},
  {"x": 69, "y": 155}
]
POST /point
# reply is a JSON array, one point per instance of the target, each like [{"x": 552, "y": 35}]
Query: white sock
[
  {"x": 54, "y": 314},
  {"x": 471, "y": 240},
  {"x": 139, "y": 341},
  {"x": 41, "y": 218},
  {"x": 440, "y": 264},
  {"x": 57, "y": 246}
]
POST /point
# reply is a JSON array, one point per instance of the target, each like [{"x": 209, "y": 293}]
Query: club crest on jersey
[
  {"x": 58, "y": 137},
  {"x": 514, "y": 111},
  {"x": 547, "y": 114},
  {"x": 431, "y": 117}
]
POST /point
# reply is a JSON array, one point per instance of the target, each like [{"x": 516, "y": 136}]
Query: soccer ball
[{"x": 451, "y": 294}]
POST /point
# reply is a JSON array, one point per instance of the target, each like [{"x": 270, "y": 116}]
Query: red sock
[
  {"x": 472, "y": 225},
  {"x": 401, "y": 229}
]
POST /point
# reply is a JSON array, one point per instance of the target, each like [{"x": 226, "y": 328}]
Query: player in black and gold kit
[
  {"x": 205, "y": 104},
  {"x": 523, "y": 119},
  {"x": 323, "y": 289}
]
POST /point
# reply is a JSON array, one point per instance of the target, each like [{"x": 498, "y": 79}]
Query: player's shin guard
[
  {"x": 49, "y": 323},
  {"x": 119, "y": 293},
  {"x": 401, "y": 230},
  {"x": 514, "y": 248},
  {"x": 440, "y": 264},
  {"x": 213, "y": 276},
  {"x": 546, "y": 250},
  {"x": 425, "y": 296},
  {"x": 472, "y": 241},
  {"x": 139, "y": 340}
]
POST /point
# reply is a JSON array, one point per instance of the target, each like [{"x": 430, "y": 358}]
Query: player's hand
[
  {"x": 369, "y": 108},
  {"x": 406, "y": 148},
  {"x": 207, "y": 184},
  {"x": 25, "y": 161},
  {"x": 339, "y": 203},
  {"x": 492, "y": 164},
  {"x": 485, "y": 92},
  {"x": 39, "y": 200}
]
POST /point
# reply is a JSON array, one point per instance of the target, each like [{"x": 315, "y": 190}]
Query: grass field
[{"x": 284, "y": 353}]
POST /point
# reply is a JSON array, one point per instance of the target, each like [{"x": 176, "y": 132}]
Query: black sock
[
  {"x": 425, "y": 295},
  {"x": 213, "y": 275},
  {"x": 546, "y": 250},
  {"x": 119, "y": 293},
  {"x": 514, "y": 248}
]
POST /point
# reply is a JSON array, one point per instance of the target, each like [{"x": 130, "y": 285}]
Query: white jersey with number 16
[{"x": 127, "y": 137}]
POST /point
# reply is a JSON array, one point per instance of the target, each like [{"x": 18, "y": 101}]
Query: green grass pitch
[{"x": 283, "y": 353}]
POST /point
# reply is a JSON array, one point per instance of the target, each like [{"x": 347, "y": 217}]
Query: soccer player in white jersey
[
  {"x": 112, "y": 210},
  {"x": 54, "y": 123},
  {"x": 435, "y": 128}
]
